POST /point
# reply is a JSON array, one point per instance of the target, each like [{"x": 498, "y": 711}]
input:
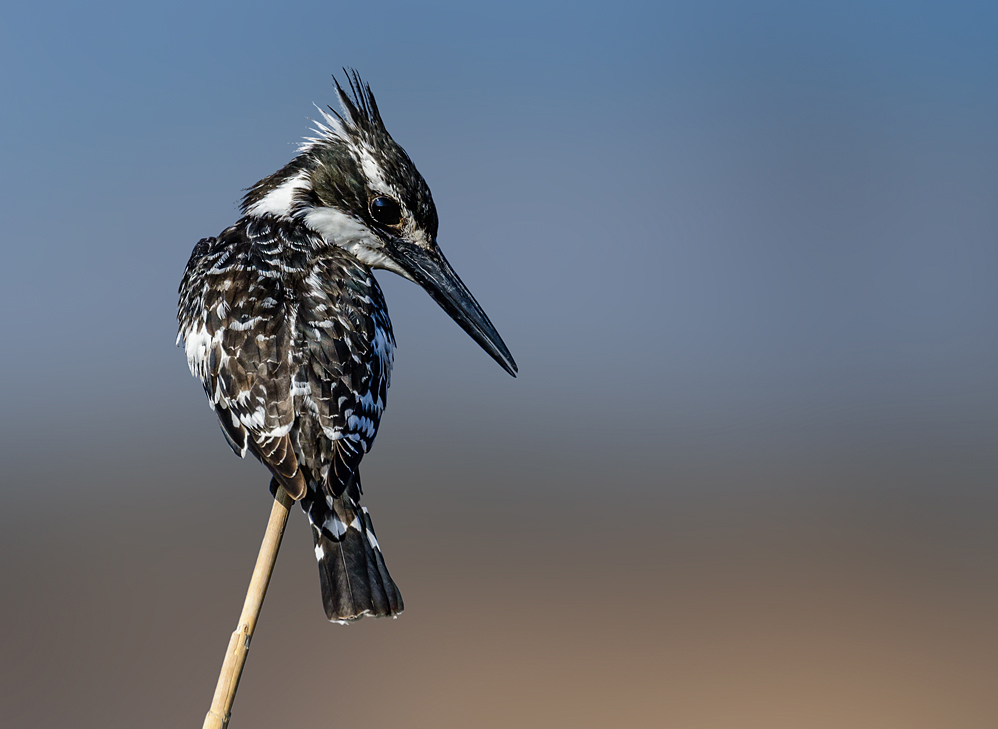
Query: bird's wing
[
  {"x": 234, "y": 322},
  {"x": 347, "y": 338}
]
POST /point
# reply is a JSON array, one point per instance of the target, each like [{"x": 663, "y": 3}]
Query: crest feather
[
  {"x": 362, "y": 108},
  {"x": 359, "y": 115}
]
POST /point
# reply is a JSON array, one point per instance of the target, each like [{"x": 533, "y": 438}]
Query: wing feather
[{"x": 234, "y": 316}]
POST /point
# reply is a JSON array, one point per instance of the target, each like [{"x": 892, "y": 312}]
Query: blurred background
[{"x": 745, "y": 256}]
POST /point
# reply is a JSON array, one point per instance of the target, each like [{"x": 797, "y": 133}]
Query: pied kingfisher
[{"x": 284, "y": 323}]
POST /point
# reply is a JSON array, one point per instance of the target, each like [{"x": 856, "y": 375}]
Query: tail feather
[{"x": 352, "y": 573}]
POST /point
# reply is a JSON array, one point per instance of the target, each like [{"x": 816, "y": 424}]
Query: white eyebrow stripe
[{"x": 280, "y": 200}]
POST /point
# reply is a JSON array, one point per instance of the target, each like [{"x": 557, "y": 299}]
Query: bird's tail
[{"x": 352, "y": 573}]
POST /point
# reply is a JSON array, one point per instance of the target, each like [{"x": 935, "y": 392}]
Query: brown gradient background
[
  {"x": 745, "y": 256},
  {"x": 748, "y": 593}
]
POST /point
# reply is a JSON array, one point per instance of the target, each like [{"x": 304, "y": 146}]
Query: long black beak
[{"x": 431, "y": 270}]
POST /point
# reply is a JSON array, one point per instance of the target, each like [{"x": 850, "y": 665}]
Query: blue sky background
[
  {"x": 745, "y": 255},
  {"x": 670, "y": 212}
]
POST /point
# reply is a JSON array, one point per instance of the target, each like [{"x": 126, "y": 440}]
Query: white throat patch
[{"x": 348, "y": 233}]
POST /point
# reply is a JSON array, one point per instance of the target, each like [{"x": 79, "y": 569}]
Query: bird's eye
[{"x": 386, "y": 211}]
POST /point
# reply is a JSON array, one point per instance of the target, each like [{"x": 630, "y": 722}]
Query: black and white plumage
[{"x": 287, "y": 328}]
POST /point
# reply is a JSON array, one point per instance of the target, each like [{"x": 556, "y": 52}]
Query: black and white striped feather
[{"x": 292, "y": 341}]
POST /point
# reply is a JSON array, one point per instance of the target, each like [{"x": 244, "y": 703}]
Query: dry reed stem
[{"x": 235, "y": 655}]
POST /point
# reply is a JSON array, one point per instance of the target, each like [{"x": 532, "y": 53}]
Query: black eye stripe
[{"x": 386, "y": 211}]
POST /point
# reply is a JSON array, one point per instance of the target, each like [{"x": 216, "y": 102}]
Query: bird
[{"x": 284, "y": 323}]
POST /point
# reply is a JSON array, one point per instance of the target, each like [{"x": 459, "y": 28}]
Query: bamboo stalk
[{"x": 235, "y": 655}]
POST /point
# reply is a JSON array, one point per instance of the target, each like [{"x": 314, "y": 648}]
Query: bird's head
[{"x": 354, "y": 185}]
